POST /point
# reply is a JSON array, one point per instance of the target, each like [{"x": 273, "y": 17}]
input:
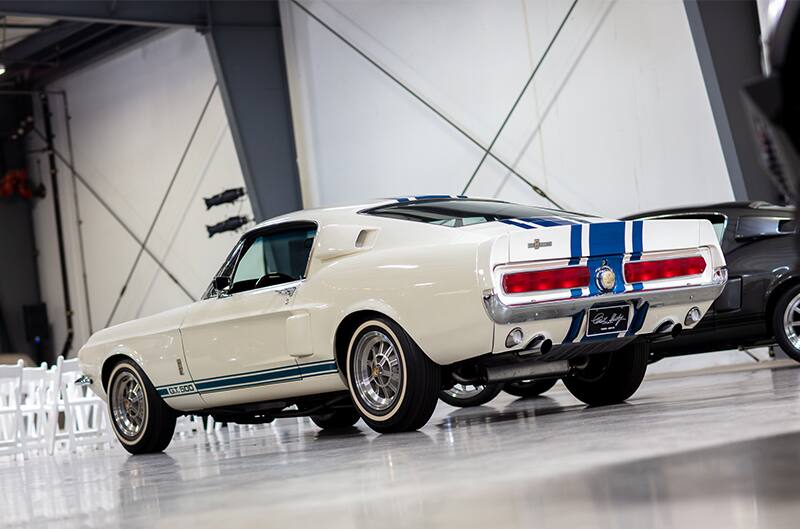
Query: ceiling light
[{"x": 2, "y": 69}]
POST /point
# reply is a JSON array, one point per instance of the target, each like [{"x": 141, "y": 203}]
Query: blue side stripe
[
  {"x": 254, "y": 378},
  {"x": 423, "y": 197},
  {"x": 518, "y": 224},
  {"x": 319, "y": 368},
  {"x": 249, "y": 379}
]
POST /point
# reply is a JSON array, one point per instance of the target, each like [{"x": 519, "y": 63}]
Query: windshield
[{"x": 463, "y": 212}]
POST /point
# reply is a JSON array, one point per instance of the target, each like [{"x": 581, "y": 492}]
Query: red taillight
[
  {"x": 555, "y": 279},
  {"x": 639, "y": 271}
]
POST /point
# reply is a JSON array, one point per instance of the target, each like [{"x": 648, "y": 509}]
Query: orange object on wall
[{"x": 15, "y": 181}]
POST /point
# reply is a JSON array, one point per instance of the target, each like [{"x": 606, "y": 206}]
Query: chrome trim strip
[{"x": 502, "y": 313}]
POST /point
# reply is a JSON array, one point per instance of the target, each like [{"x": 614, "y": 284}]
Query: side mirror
[{"x": 222, "y": 283}]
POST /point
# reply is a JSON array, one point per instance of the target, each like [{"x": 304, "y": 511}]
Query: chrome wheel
[
  {"x": 464, "y": 391},
  {"x": 791, "y": 321},
  {"x": 378, "y": 372},
  {"x": 128, "y": 405}
]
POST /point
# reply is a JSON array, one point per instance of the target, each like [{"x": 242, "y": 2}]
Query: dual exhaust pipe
[{"x": 539, "y": 345}]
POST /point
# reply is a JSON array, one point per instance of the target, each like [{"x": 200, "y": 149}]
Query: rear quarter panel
[{"x": 424, "y": 277}]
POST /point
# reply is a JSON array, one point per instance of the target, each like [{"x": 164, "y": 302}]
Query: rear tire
[
  {"x": 530, "y": 388},
  {"x": 141, "y": 420},
  {"x": 336, "y": 418},
  {"x": 610, "y": 378},
  {"x": 394, "y": 385},
  {"x": 786, "y": 322},
  {"x": 470, "y": 396}
]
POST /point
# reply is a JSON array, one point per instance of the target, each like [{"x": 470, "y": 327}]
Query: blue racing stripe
[
  {"x": 575, "y": 292},
  {"x": 637, "y": 321},
  {"x": 548, "y": 222},
  {"x": 575, "y": 236},
  {"x": 574, "y": 327},
  {"x": 607, "y": 238},
  {"x": 518, "y": 224},
  {"x": 424, "y": 197},
  {"x": 637, "y": 240}
]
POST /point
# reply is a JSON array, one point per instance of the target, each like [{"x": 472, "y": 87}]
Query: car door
[{"x": 235, "y": 339}]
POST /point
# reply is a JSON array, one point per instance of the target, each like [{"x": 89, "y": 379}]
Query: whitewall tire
[
  {"x": 394, "y": 385},
  {"x": 141, "y": 420}
]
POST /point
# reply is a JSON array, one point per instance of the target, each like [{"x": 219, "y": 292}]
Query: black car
[{"x": 761, "y": 302}]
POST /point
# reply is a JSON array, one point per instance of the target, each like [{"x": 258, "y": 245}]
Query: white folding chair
[
  {"x": 12, "y": 438},
  {"x": 188, "y": 424},
  {"x": 85, "y": 414},
  {"x": 38, "y": 389}
]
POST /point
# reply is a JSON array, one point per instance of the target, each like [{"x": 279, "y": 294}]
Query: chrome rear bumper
[{"x": 502, "y": 313}]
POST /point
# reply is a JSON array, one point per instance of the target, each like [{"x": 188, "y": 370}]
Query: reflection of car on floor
[
  {"x": 368, "y": 311},
  {"x": 760, "y": 304},
  {"x": 467, "y": 395}
]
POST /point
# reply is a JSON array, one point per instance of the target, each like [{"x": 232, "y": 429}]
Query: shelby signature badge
[
  {"x": 605, "y": 320},
  {"x": 536, "y": 244}
]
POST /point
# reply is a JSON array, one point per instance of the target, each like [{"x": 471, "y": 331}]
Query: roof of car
[{"x": 338, "y": 211}]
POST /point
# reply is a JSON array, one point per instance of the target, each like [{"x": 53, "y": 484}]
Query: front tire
[
  {"x": 141, "y": 420},
  {"x": 463, "y": 396},
  {"x": 394, "y": 385},
  {"x": 527, "y": 389},
  {"x": 786, "y": 322},
  {"x": 610, "y": 378}
]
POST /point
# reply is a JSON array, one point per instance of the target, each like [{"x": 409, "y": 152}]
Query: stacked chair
[{"x": 43, "y": 409}]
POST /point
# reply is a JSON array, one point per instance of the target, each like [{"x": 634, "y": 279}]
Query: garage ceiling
[{"x": 35, "y": 51}]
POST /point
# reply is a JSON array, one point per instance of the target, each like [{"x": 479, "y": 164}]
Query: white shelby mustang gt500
[{"x": 369, "y": 311}]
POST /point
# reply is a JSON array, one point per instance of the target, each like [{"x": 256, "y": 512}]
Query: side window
[{"x": 274, "y": 257}]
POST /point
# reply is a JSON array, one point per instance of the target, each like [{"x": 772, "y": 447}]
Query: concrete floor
[{"x": 714, "y": 449}]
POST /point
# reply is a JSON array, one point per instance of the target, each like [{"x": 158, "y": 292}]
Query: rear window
[{"x": 458, "y": 213}]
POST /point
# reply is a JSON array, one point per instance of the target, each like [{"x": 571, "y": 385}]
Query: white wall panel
[
  {"x": 616, "y": 120},
  {"x": 618, "y": 104},
  {"x": 132, "y": 117}
]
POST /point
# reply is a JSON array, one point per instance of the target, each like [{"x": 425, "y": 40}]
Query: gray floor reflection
[{"x": 711, "y": 450}]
